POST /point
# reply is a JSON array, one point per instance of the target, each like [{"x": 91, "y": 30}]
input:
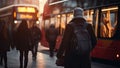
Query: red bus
[
  {"x": 108, "y": 46},
  {"x": 12, "y": 12}
]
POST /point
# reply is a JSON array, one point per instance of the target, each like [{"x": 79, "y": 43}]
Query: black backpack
[{"x": 82, "y": 39}]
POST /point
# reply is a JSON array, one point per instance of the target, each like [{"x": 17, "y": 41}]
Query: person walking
[
  {"x": 51, "y": 36},
  {"x": 36, "y": 37},
  {"x": 4, "y": 45},
  {"x": 74, "y": 57},
  {"x": 22, "y": 37}
]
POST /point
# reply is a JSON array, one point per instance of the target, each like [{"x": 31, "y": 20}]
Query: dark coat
[
  {"x": 66, "y": 47},
  {"x": 4, "y": 44},
  {"x": 51, "y": 34},
  {"x": 36, "y": 34},
  {"x": 23, "y": 38}
]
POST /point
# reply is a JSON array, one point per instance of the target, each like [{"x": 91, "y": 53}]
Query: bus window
[
  {"x": 108, "y": 22},
  {"x": 69, "y": 17},
  {"x": 88, "y": 16},
  {"x": 52, "y": 20},
  {"x": 91, "y": 17},
  {"x": 63, "y": 23},
  {"x": 46, "y": 24},
  {"x": 58, "y": 23}
]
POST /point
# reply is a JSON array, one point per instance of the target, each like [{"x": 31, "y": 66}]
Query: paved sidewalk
[{"x": 43, "y": 60}]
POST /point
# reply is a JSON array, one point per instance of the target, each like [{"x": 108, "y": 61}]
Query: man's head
[{"x": 78, "y": 12}]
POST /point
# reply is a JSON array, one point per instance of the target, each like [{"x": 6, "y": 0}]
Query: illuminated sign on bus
[
  {"x": 26, "y": 9},
  {"x": 25, "y": 16}
]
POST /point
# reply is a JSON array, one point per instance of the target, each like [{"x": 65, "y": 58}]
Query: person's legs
[
  {"x": 21, "y": 59},
  {"x": 5, "y": 59},
  {"x": 86, "y": 61},
  {"x": 26, "y": 59},
  {"x": 36, "y": 49},
  {"x": 52, "y": 46},
  {"x": 33, "y": 51},
  {"x": 1, "y": 62}
]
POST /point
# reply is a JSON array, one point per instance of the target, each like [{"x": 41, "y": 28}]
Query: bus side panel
[
  {"x": 58, "y": 42},
  {"x": 116, "y": 45},
  {"x": 43, "y": 40},
  {"x": 107, "y": 49}
]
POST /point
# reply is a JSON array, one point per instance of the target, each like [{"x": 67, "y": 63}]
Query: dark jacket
[
  {"x": 68, "y": 35},
  {"x": 66, "y": 48},
  {"x": 36, "y": 34},
  {"x": 51, "y": 34},
  {"x": 4, "y": 44},
  {"x": 23, "y": 38}
]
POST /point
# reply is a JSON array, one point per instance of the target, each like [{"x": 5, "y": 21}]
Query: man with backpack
[{"x": 77, "y": 43}]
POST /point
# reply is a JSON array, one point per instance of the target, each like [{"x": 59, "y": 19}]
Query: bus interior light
[{"x": 110, "y": 9}]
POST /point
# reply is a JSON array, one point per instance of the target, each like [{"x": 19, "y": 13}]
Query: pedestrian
[
  {"x": 51, "y": 36},
  {"x": 69, "y": 46},
  {"x": 4, "y": 45},
  {"x": 36, "y": 37},
  {"x": 22, "y": 37}
]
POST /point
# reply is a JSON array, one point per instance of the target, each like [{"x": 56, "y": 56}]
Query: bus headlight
[
  {"x": 15, "y": 21},
  {"x": 37, "y": 22}
]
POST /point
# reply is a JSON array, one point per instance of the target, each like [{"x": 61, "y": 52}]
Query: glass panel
[
  {"x": 47, "y": 24},
  {"x": 88, "y": 15},
  {"x": 58, "y": 21},
  {"x": 52, "y": 20},
  {"x": 69, "y": 17},
  {"x": 63, "y": 23},
  {"x": 108, "y": 21}
]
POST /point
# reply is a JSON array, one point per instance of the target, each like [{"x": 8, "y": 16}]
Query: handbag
[{"x": 60, "y": 61}]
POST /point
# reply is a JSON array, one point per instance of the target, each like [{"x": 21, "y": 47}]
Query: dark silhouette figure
[
  {"x": 4, "y": 45},
  {"x": 72, "y": 58},
  {"x": 51, "y": 36},
  {"x": 36, "y": 37},
  {"x": 22, "y": 37}
]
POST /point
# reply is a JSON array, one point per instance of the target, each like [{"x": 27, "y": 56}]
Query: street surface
[{"x": 43, "y": 60}]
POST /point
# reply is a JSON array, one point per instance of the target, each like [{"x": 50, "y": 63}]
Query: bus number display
[{"x": 25, "y": 16}]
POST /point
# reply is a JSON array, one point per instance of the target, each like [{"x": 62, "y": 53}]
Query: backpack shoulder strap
[
  {"x": 74, "y": 25},
  {"x": 85, "y": 25}
]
